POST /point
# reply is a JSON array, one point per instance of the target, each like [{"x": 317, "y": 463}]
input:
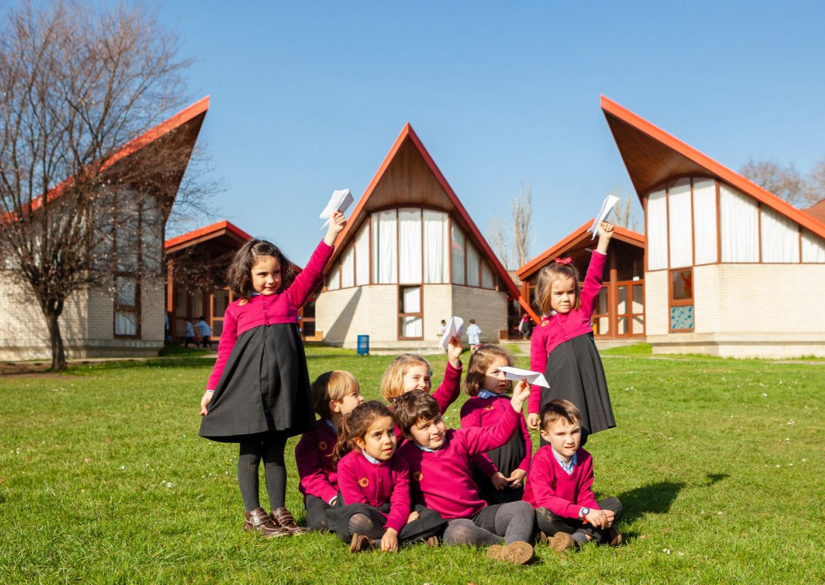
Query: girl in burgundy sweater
[
  {"x": 373, "y": 502},
  {"x": 258, "y": 394},
  {"x": 335, "y": 394},
  {"x": 488, "y": 388},
  {"x": 562, "y": 346}
]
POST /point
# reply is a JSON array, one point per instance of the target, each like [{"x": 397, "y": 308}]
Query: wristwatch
[{"x": 584, "y": 512}]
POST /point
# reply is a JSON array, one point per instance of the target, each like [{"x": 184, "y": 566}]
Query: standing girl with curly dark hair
[{"x": 259, "y": 394}]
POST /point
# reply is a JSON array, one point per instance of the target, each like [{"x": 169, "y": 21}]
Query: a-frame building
[
  {"x": 730, "y": 268},
  {"x": 409, "y": 258}
]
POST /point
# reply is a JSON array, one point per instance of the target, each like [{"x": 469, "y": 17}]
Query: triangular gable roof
[
  {"x": 403, "y": 152},
  {"x": 192, "y": 115},
  {"x": 206, "y": 233},
  {"x": 652, "y": 157},
  {"x": 573, "y": 240}
]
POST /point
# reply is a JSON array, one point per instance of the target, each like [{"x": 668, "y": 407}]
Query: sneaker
[
  {"x": 561, "y": 541},
  {"x": 516, "y": 553},
  {"x": 360, "y": 543},
  {"x": 283, "y": 518},
  {"x": 611, "y": 537},
  {"x": 259, "y": 521}
]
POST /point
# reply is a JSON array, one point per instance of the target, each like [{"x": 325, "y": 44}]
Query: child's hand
[
  {"x": 611, "y": 517},
  {"x": 207, "y": 398},
  {"x": 597, "y": 519},
  {"x": 336, "y": 225},
  {"x": 413, "y": 516},
  {"x": 499, "y": 481},
  {"x": 605, "y": 233},
  {"x": 520, "y": 394},
  {"x": 454, "y": 350},
  {"x": 516, "y": 478},
  {"x": 389, "y": 543},
  {"x": 533, "y": 421}
]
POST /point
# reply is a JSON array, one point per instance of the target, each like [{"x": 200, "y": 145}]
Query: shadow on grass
[
  {"x": 655, "y": 498},
  {"x": 716, "y": 477}
]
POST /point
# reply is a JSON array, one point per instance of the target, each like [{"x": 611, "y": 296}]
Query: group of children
[{"x": 380, "y": 475}]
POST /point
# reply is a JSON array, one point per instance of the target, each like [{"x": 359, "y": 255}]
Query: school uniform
[
  {"x": 205, "y": 331},
  {"x": 442, "y": 479},
  {"x": 318, "y": 474},
  {"x": 189, "y": 334},
  {"x": 473, "y": 333},
  {"x": 559, "y": 491},
  {"x": 260, "y": 378},
  {"x": 563, "y": 348},
  {"x": 379, "y": 490},
  {"x": 485, "y": 410}
]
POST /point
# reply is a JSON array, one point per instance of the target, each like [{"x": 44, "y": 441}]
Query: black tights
[
  {"x": 363, "y": 524},
  {"x": 271, "y": 449}
]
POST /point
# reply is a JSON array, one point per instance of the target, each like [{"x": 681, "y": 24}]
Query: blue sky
[{"x": 308, "y": 97}]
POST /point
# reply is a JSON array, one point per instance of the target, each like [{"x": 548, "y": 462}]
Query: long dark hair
[
  {"x": 355, "y": 426},
  {"x": 239, "y": 273}
]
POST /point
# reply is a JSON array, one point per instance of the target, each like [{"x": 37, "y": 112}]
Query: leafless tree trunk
[
  {"x": 623, "y": 213},
  {"x": 498, "y": 237},
  {"x": 522, "y": 208},
  {"x": 77, "y": 83}
]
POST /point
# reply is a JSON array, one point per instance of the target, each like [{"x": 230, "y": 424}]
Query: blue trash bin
[{"x": 363, "y": 345}]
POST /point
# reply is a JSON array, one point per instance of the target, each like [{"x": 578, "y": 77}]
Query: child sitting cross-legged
[
  {"x": 560, "y": 483},
  {"x": 442, "y": 480},
  {"x": 335, "y": 394},
  {"x": 373, "y": 504}
]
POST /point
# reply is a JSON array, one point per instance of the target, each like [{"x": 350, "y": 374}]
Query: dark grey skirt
[
  {"x": 507, "y": 459},
  {"x": 430, "y": 523},
  {"x": 575, "y": 373},
  {"x": 264, "y": 388}
]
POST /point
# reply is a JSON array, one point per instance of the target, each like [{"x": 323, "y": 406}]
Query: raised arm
[
  {"x": 450, "y": 387},
  {"x": 308, "y": 280},
  {"x": 538, "y": 363},
  {"x": 471, "y": 417}
]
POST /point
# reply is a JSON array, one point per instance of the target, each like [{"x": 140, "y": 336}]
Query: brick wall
[{"x": 487, "y": 307}]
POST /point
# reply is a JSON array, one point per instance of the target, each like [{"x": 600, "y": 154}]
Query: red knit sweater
[
  {"x": 363, "y": 482},
  {"x": 549, "y": 486}
]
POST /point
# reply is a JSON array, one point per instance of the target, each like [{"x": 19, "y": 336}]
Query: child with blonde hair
[
  {"x": 563, "y": 347},
  {"x": 335, "y": 394},
  {"x": 488, "y": 388}
]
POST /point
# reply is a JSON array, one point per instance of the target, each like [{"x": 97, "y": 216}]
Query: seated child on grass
[
  {"x": 441, "y": 478},
  {"x": 560, "y": 483},
  {"x": 373, "y": 504},
  {"x": 334, "y": 394}
]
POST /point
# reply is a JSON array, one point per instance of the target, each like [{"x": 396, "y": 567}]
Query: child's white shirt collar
[{"x": 567, "y": 467}]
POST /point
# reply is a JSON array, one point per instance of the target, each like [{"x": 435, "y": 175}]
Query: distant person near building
[{"x": 205, "y": 332}]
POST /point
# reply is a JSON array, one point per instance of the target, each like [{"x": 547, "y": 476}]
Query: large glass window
[
  {"x": 127, "y": 308},
  {"x": 681, "y": 300},
  {"x": 436, "y": 248},
  {"x": 410, "y": 312},
  {"x": 680, "y": 224},
  {"x": 457, "y": 244},
  {"x": 739, "y": 221},
  {"x": 473, "y": 266},
  {"x": 348, "y": 268},
  {"x": 384, "y": 247},
  {"x": 362, "y": 256},
  {"x": 409, "y": 251}
]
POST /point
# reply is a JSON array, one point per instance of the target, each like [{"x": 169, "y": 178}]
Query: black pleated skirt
[
  {"x": 507, "y": 459},
  {"x": 575, "y": 373},
  {"x": 429, "y": 523},
  {"x": 264, "y": 388}
]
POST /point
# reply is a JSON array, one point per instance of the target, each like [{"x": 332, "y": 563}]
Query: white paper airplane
[
  {"x": 517, "y": 374},
  {"x": 607, "y": 206},
  {"x": 454, "y": 329},
  {"x": 340, "y": 201}
]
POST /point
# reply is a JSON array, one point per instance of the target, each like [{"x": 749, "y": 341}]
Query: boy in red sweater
[
  {"x": 441, "y": 478},
  {"x": 559, "y": 485}
]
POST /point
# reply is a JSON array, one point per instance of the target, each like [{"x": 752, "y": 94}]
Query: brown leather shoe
[
  {"x": 259, "y": 521},
  {"x": 360, "y": 543},
  {"x": 516, "y": 553},
  {"x": 433, "y": 541},
  {"x": 284, "y": 519},
  {"x": 561, "y": 541}
]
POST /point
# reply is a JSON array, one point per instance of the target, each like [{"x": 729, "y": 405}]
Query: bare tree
[
  {"x": 80, "y": 211},
  {"x": 623, "y": 212},
  {"x": 522, "y": 208},
  {"x": 785, "y": 181},
  {"x": 817, "y": 183},
  {"x": 499, "y": 238}
]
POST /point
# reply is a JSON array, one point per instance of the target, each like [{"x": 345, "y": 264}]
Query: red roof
[
  {"x": 205, "y": 233},
  {"x": 183, "y": 117},
  {"x": 817, "y": 211},
  {"x": 408, "y": 134},
  {"x": 577, "y": 237},
  {"x": 652, "y": 157}
]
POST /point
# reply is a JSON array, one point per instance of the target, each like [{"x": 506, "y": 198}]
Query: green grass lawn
[{"x": 719, "y": 464}]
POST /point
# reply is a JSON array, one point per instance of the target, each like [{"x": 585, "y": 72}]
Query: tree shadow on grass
[
  {"x": 716, "y": 477},
  {"x": 655, "y": 498}
]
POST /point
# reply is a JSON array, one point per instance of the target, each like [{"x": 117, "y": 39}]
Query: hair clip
[{"x": 564, "y": 261}]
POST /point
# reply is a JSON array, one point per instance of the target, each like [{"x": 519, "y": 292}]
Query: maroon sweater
[
  {"x": 363, "y": 482},
  {"x": 282, "y": 307},
  {"x": 313, "y": 455},
  {"x": 558, "y": 328},
  {"x": 485, "y": 412},
  {"x": 549, "y": 486},
  {"x": 442, "y": 480}
]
